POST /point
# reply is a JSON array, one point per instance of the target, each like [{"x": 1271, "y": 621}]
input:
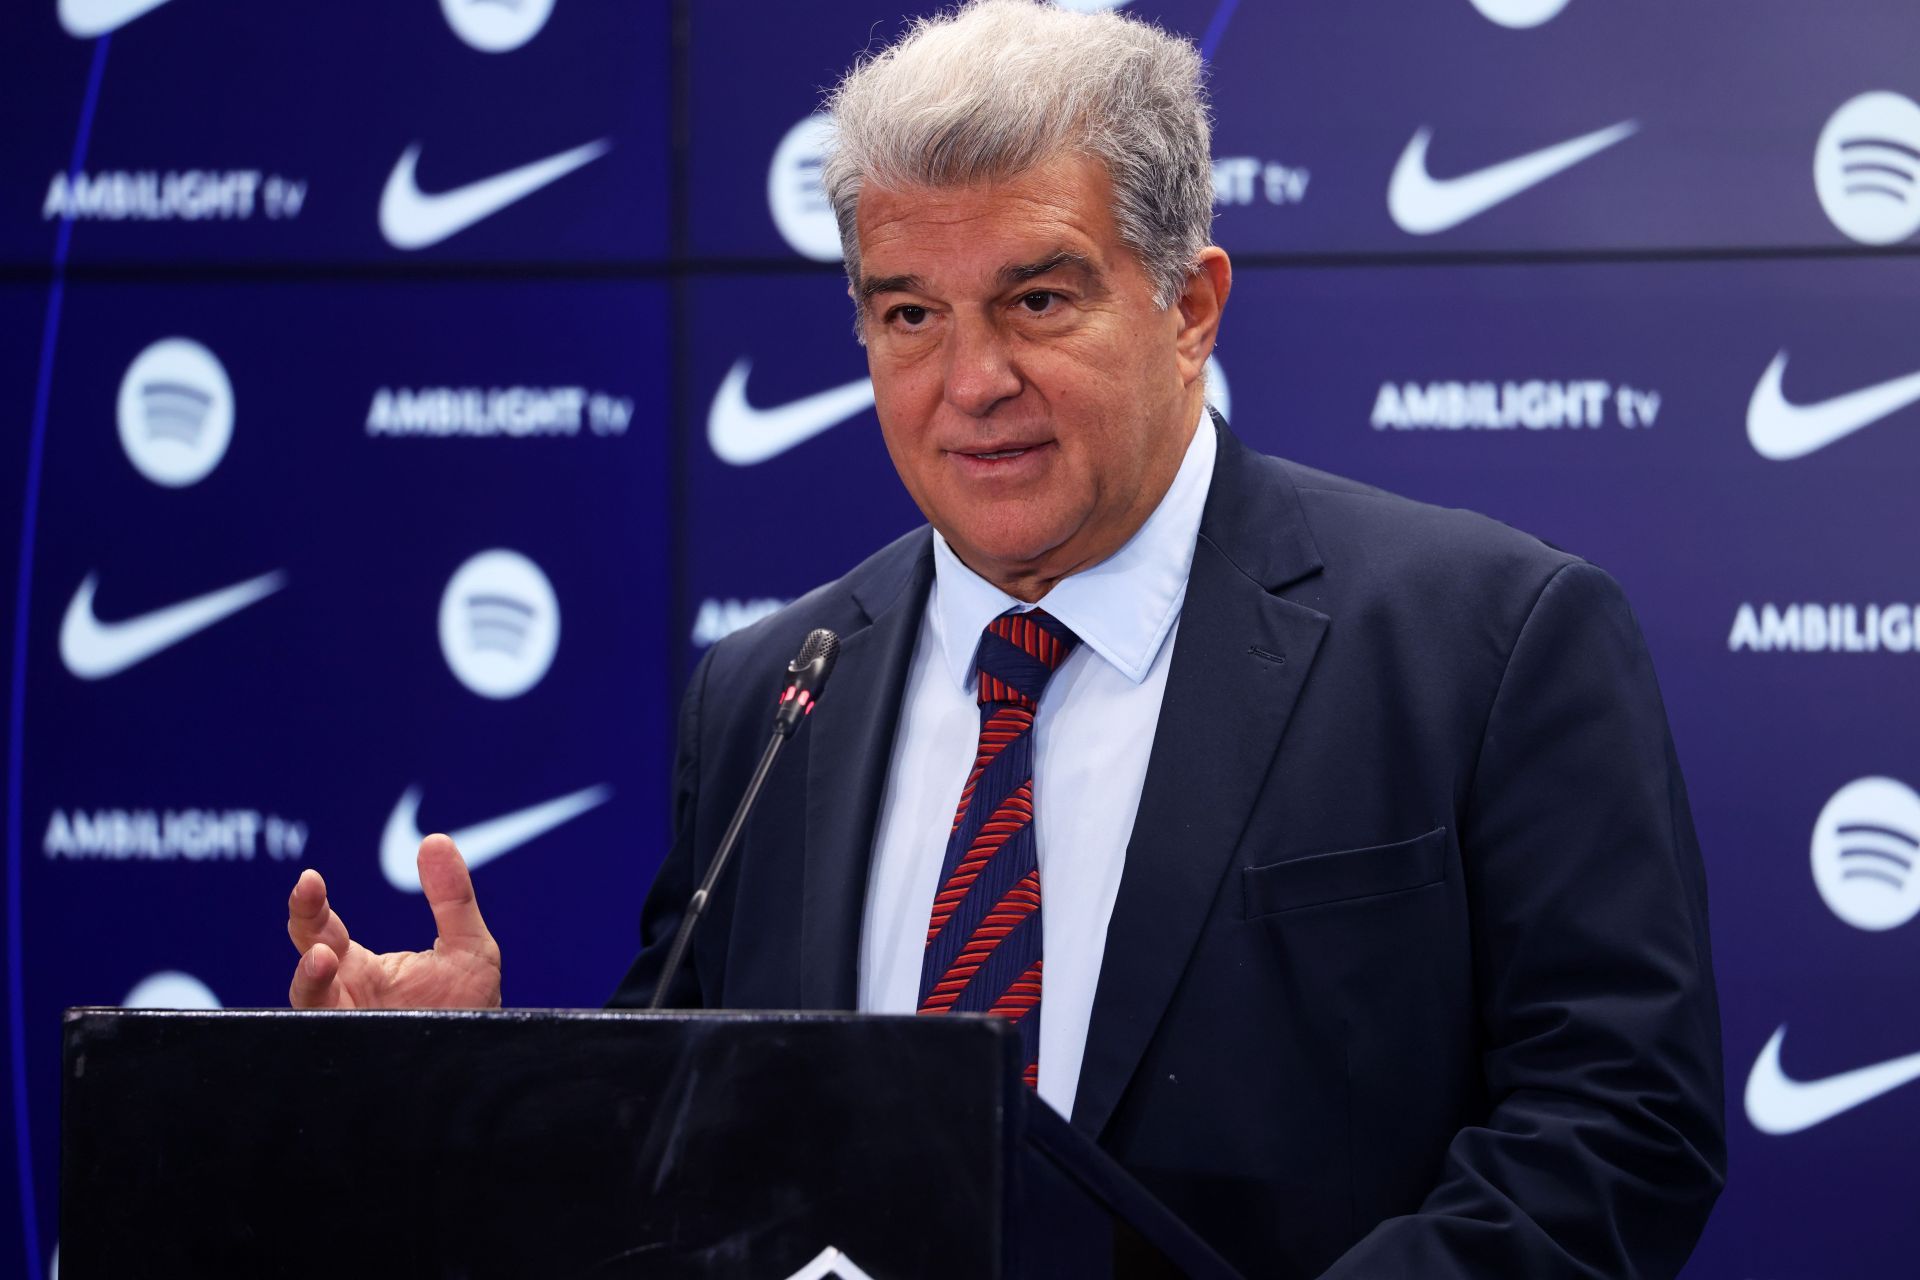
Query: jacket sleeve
[
  {"x": 1603, "y": 1145},
  {"x": 673, "y": 886}
]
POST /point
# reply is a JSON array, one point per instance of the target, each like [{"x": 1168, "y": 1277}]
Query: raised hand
[{"x": 462, "y": 971}]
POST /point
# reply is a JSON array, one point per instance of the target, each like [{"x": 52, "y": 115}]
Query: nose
[{"x": 980, "y": 372}]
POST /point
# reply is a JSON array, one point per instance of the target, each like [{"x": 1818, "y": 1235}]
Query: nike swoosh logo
[
  {"x": 1781, "y": 430},
  {"x": 1422, "y": 204},
  {"x": 1777, "y": 1103},
  {"x": 412, "y": 219},
  {"x": 85, "y": 19},
  {"x": 480, "y": 843},
  {"x": 94, "y": 650},
  {"x": 744, "y": 435}
]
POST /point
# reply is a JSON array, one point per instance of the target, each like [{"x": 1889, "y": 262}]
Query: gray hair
[{"x": 998, "y": 86}]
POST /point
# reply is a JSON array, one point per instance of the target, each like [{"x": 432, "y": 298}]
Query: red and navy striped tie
[{"x": 983, "y": 942}]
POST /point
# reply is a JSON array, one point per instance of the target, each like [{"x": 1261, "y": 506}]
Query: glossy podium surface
[{"x": 580, "y": 1143}]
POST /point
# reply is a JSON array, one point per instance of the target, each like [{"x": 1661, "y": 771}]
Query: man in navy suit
[{"x": 1343, "y": 882}]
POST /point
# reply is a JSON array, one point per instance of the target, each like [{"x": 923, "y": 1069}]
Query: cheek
[
  {"x": 899, "y": 446},
  {"x": 1107, "y": 460},
  {"x": 903, "y": 394},
  {"x": 906, "y": 438}
]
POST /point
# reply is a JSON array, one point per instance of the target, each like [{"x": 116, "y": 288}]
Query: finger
[
  {"x": 449, "y": 890},
  {"x": 311, "y": 919},
  {"x": 313, "y": 980}
]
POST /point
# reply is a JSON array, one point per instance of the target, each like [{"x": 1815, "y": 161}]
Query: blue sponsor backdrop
[
  {"x": 310, "y": 311},
  {"x": 277, "y": 133}
]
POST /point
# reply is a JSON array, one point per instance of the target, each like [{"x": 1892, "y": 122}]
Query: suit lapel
[
  {"x": 1240, "y": 659},
  {"x": 851, "y": 746}
]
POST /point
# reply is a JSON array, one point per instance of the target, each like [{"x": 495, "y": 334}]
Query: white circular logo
[
  {"x": 1219, "y": 395},
  {"x": 170, "y": 989},
  {"x": 794, "y": 194},
  {"x": 1866, "y": 168},
  {"x": 1866, "y": 844},
  {"x": 499, "y": 624},
  {"x": 1520, "y": 13},
  {"x": 497, "y": 26},
  {"x": 176, "y": 412}
]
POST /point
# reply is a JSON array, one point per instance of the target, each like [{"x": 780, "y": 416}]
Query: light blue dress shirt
[{"x": 1093, "y": 732}]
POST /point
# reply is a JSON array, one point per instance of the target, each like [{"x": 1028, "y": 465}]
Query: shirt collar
[{"x": 1121, "y": 608}]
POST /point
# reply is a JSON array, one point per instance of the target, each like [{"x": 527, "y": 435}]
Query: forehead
[{"x": 975, "y": 230}]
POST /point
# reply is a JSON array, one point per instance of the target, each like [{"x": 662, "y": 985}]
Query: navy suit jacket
[{"x": 1408, "y": 975}]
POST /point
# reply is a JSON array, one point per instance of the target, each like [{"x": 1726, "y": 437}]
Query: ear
[{"x": 1199, "y": 307}]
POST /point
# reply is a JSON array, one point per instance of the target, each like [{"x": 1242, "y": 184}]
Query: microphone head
[
  {"x": 806, "y": 677},
  {"x": 815, "y": 660}
]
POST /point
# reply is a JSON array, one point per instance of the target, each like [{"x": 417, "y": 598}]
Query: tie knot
[{"x": 1018, "y": 654}]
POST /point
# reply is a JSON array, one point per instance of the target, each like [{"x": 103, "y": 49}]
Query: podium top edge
[{"x": 83, "y": 1012}]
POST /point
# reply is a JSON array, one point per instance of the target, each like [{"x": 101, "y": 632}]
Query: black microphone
[{"x": 806, "y": 677}]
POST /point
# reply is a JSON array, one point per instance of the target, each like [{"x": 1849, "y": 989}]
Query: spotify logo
[
  {"x": 175, "y": 412},
  {"x": 1865, "y": 844},
  {"x": 1520, "y": 13},
  {"x": 497, "y": 26},
  {"x": 499, "y": 624},
  {"x": 1866, "y": 168},
  {"x": 794, "y": 195},
  {"x": 170, "y": 989}
]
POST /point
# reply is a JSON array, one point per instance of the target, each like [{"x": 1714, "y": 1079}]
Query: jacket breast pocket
[{"x": 1324, "y": 878}]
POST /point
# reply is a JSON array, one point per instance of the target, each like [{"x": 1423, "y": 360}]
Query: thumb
[{"x": 449, "y": 890}]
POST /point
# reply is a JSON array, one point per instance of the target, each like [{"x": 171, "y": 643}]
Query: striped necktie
[{"x": 983, "y": 941}]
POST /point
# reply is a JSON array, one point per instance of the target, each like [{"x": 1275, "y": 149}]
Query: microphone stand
[{"x": 806, "y": 677}]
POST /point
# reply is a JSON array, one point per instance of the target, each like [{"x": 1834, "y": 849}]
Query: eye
[
  {"x": 910, "y": 316},
  {"x": 1039, "y": 302}
]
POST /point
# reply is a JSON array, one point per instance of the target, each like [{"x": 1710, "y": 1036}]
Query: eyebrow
[
  {"x": 1064, "y": 260},
  {"x": 869, "y": 289}
]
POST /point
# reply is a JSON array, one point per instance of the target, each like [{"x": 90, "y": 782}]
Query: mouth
[
  {"x": 1002, "y": 462},
  {"x": 1000, "y": 451}
]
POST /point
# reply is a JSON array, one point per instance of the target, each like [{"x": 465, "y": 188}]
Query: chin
[
  {"x": 1004, "y": 553},
  {"x": 1007, "y": 533}
]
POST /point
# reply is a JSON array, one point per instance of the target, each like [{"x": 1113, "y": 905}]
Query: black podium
[{"x": 534, "y": 1143}]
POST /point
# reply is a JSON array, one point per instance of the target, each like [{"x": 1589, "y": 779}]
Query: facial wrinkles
[
  {"x": 961, "y": 251},
  {"x": 984, "y": 375}
]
